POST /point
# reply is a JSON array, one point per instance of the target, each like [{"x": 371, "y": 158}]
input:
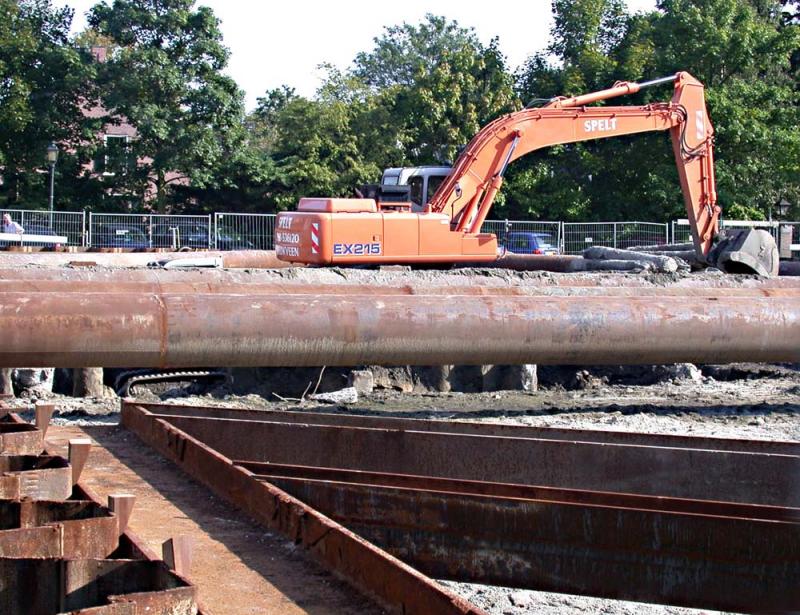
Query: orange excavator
[{"x": 362, "y": 231}]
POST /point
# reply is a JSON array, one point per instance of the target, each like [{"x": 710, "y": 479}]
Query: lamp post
[
  {"x": 52, "y": 157},
  {"x": 783, "y": 208}
]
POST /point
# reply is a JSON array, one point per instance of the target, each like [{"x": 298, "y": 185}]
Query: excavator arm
[{"x": 467, "y": 195}]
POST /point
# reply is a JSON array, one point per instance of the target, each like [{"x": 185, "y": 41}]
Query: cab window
[
  {"x": 416, "y": 190},
  {"x": 433, "y": 185}
]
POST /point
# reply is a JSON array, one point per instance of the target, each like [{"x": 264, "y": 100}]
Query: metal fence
[
  {"x": 681, "y": 232},
  {"x": 244, "y": 231},
  {"x": 577, "y": 236},
  {"x": 69, "y": 224},
  {"x": 546, "y": 232},
  {"x": 145, "y": 231},
  {"x": 240, "y": 231}
]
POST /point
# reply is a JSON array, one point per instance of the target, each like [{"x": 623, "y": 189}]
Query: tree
[
  {"x": 742, "y": 50},
  {"x": 591, "y": 42},
  {"x": 165, "y": 78},
  {"x": 316, "y": 152},
  {"x": 439, "y": 83},
  {"x": 44, "y": 85}
]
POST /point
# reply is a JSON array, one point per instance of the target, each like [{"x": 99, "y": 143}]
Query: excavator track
[{"x": 128, "y": 380}]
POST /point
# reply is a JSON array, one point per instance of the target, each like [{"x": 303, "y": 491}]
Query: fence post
[
  {"x": 666, "y": 232},
  {"x": 209, "y": 231},
  {"x": 615, "y": 234},
  {"x": 216, "y": 231},
  {"x": 91, "y": 224}
]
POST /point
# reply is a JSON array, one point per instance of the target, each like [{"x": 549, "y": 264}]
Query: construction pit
[{"x": 565, "y": 442}]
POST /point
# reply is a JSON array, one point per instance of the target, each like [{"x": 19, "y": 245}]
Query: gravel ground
[{"x": 762, "y": 403}]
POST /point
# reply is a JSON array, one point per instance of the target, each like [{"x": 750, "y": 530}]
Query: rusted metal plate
[
  {"x": 646, "y": 470},
  {"x": 36, "y": 477},
  {"x": 392, "y": 583},
  {"x": 150, "y": 586},
  {"x": 19, "y": 438},
  {"x": 775, "y": 447},
  {"x": 624, "y": 553},
  {"x": 73, "y": 529},
  {"x": 107, "y": 587}
]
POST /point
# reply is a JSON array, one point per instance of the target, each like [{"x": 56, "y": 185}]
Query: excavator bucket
[{"x": 748, "y": 251}]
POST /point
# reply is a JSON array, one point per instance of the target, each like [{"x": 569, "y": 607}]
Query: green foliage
[
  {"x": 44, "y": 82},
  {"x": 419, "y": 94},
  {"x": 422, "y": 92},
  {"x": 165, "y": 78},
  {"x": 743, "y": 52},
  {"x": 442, "y": 85}
]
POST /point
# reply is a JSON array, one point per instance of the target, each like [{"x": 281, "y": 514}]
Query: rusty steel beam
[
  {"x": 694, "y": 473},
  {"x": 162, "y": 329},
  {"x": 682, "y": 530},
  {"x": 688, "y": 560},
  {"x": 273, "y": 472},
  {"x": 773, "y": 447},
  {"x": 392, "y": 583}
]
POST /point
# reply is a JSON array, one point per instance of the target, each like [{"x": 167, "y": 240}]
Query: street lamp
[
  {"x": 783, "y": 208},
  {"x": 52, "y": 156}
]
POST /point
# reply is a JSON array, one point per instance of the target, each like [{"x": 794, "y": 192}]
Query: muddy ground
[{"x": 739, "y": 401}]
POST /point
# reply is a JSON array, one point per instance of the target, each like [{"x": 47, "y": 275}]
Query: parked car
[
  {"x": 228, "y": 239},
  {"x": 119, "y": 236},
  {"x": 182, "y": 234},
  {"x": 526, "y": 242}
]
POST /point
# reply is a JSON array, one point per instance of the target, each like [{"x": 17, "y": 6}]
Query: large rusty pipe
[
  {"x": 162, "y": 329},
  {"x": 235, "y": 259}
]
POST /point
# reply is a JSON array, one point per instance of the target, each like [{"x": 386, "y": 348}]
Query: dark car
[
  {"x": 228, "y": 239},
  {"x": 182, "y": 234},
  {"x": 120, "y": 236},
  {"x": 526, "y": 242}
]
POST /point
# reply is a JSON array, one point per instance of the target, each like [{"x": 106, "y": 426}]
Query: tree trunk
[
  {"x": 6, "y": 387},
  {"x": 87, "y": 382}
]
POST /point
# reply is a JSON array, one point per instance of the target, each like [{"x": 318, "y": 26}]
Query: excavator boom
[
  {"x": 326, "y": 231},
  {"x": 468, "y": 193}
]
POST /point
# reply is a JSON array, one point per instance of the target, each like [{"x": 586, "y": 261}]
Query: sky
[{"x": 283, "y": 43}]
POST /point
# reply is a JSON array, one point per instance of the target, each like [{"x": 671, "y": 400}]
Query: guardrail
[{"x": 253, "y": 231}]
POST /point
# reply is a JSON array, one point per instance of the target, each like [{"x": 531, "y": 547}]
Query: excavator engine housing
[{"x": 326, "y": 231}]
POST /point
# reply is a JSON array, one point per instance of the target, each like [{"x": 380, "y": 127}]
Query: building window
[{"x": 114, "y": 157}]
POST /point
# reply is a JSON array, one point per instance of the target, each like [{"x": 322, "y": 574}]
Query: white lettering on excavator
[
  {"x": 284, "y": 222},
  {"x": 289, "y": 237},
  {"x": 600, "y": 125},
  {"x": 287, "y": 250}
]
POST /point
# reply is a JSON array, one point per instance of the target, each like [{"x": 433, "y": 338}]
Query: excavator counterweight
[{"x": 331, "y": 231}]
